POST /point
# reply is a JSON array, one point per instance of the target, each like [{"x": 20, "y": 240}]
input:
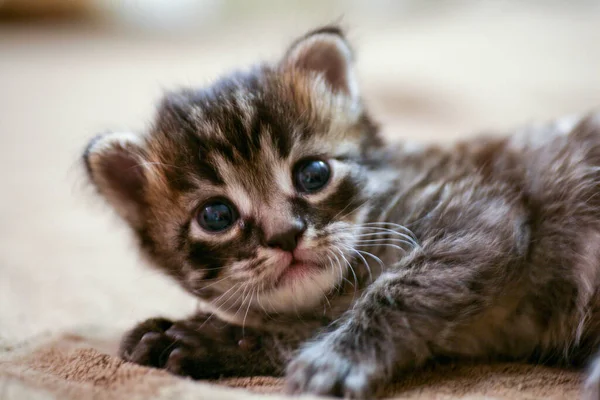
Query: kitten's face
[{"x": 251, "y": 192}]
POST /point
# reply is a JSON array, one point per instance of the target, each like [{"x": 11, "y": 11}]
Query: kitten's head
[{"x": 250, "y": 192}]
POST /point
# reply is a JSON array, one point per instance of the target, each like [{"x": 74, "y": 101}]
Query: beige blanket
[{"x": 76, "y": 366}]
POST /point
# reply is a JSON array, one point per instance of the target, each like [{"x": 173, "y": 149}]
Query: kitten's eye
[
  {"x": 216, "y": 216},
  {"x": 311, "y": 175}
]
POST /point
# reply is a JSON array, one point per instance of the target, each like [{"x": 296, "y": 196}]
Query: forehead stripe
[{"x": 209, "y": 171}]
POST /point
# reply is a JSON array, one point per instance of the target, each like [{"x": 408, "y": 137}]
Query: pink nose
[{"x": 287, "y": 238}]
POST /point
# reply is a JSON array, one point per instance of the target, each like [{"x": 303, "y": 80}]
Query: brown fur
[{"x": 488, "y": 249}]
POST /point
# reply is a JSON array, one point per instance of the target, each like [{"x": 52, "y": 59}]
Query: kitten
[{"x": 326, "y": 254}]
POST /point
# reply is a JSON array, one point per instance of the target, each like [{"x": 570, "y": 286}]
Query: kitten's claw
[
  {"x": 321, "y": 370},
  {"x": 191, "y": 348},
  {"x": 160, "y": 343}
]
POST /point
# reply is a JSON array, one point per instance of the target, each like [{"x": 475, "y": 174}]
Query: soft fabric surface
[
  {"x": 70, "y": 280},
  {"x": 71, "y": 367}
]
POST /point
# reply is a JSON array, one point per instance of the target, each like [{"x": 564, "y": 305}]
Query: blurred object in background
[
  {"x": 19, "y": 10},
  {"x": 165, "y": 15},
  {"x": 182, "y": 15},
  {"x": 429, "y": 67},
  {"x": 153, "y": 14},
  {"x": 186, "y": 15}
]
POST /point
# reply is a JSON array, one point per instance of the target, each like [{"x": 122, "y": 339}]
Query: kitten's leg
[
  {"x": 415, "y": 309},
  {"x": 200, "y": 347}
]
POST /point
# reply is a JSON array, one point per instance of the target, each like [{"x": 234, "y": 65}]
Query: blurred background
[{"x": 430, "y": 69}]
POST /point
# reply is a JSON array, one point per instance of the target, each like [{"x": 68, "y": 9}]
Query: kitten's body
[{"x": 487, "y": 249}]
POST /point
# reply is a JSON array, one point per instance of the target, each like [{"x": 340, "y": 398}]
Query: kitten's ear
[
  {"x": 325, "y": 52},
  {"x": 115, "y": 164}
]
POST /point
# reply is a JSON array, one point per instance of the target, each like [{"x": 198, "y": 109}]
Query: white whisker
[
  {"x": 391, "y": 224},
  {"x": 356, "y": 208},
  {"x": 332, "y": 265},
  {"x": 351, "y": 270},
  {"x": 215, "y": 301},
  {"x": 245, "y": 287},
  {"x": 337, "y": 216},
  {"x": 364, "y": 262},
  {"x": 383, "y": 244},
  {"x": 260, "y": 304},
  {"x": 386, "y": 234},
  {"x": 379, "y": 229},
  {"x": 374, "y": 257},
  {"x": 382, "y": 240},
  {"x": 238, "y": 285},
  {"x": 214, "y": 283},
  {"x": 246, "y": 314}
]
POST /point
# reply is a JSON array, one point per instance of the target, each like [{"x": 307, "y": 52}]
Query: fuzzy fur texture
[{"x": 488, "y": 249}]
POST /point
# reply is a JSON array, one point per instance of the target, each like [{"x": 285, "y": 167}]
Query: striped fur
[{"x": 487, "y": 249}]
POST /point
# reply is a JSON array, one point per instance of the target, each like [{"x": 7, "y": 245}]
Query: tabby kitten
[{"x": 323, "y": 253}]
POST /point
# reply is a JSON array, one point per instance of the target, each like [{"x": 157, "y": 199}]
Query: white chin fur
[{"x": 299, "y": 294}]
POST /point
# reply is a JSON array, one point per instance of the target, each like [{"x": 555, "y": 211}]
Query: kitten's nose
[{"x": 287, "y": 239}]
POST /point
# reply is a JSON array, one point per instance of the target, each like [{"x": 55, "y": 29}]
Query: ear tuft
[
  {"x": 115, "y": 164},
  {"x": 325, "y": 52}
]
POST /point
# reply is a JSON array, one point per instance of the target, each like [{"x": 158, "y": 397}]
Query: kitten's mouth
[{"x": 295, "y": 270}]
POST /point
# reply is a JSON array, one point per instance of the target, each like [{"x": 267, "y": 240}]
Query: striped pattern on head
[{"x": 232, "y": 154}]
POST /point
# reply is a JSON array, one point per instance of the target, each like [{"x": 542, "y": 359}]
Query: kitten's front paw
[
  {"x": 183, "y": 348},
  {"x": 153, "y": 343},
  {"x": 320, "y": 369}
]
